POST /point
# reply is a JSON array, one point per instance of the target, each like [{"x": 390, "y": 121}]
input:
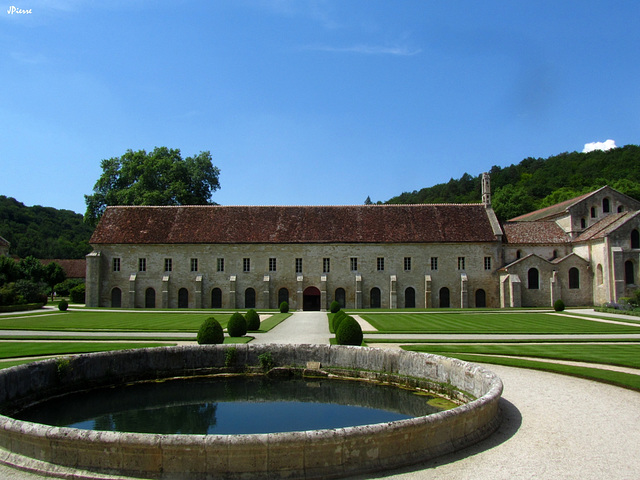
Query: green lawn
[
  {"x": 35, "y": 349},
  {"x": 491, "y": 323}
]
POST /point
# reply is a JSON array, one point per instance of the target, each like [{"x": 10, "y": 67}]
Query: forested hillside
[
  {"x": 43, "y": 232},
  {"x": 536, "y": 182}
]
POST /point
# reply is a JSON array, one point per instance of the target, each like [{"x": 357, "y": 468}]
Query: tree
[
  {"x": 53, "y": 274},
  {"x": 160, "y": 177},
  {"x": 368, "y": 201}
]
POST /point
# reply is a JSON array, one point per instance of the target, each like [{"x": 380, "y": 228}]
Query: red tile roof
[
  {"x": 550, "y": 211},
  {"x": 607, "y": 225},
  {"x": 289, "y": 224},
  {"x": 534, "y": 232},
  {"x": 73, "y": 268}
]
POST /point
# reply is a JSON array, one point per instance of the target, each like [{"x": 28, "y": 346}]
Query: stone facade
[{"x": 583, "y": 251}]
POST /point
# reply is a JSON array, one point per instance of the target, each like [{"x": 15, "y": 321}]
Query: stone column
[
  {"x": 556, "y": 288},
  {"x": 428, "y": 303},
  {"x": 266, "y": 291},
  {"x": 165, "y": 291},
  {"x": 358, "y": 291},
  {"x": 198, "y": 290},
  {"x": 299, "y": 293},
  {"x": 92, "y": 283},
  {"x": 393, "y": 293},
  {"x": 132, "y": 291},
  {"x": 464, "y": 292},
  {"x": 323, "y": 293},
  {"x": 232, "y": 292}
]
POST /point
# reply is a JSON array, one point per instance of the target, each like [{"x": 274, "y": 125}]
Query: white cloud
[
  {"x": 366, "y": 50},
  {"x": 608, "y": 145}
]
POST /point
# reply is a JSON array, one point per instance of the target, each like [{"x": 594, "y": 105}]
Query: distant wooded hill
[
  {"x": 43, "y": 232},
  {"x": 537, "y": 182}
]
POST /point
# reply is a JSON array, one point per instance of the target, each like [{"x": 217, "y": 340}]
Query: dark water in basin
[{"x": 233, "y": 405}]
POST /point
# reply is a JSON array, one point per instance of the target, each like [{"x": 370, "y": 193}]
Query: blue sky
[{"x": 309, "y": 102}]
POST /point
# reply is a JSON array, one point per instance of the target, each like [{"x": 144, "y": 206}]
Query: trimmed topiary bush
[
  {"x": 337, "y": 318},
  {"x": 77, "y": 293},
  {"x": 237, "y": 326},
  {"x": 210, "y": 332},
  {"x": 349, "y": 332},
  {"x": 253, "y": 320},
  {"x": 558, "y": 305},
  {"x": 334, "y": 307},
  {"x": 63, "y": 305},
  {"x": 284, "y": 307}
]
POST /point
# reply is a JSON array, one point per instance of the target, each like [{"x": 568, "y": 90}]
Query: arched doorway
[
  {"x": 340, "y": 297},
  {"x": 283, "y": 296},
  {"x": 150, "y": 298},
  {"x": 629, "y": 273},
  {"x": 311, "y": 299},
  {"x": 116, "y": 298},
  {"x": 533, "y": 279},
  {"x": 410, "y": 297},
  {"x": 375, "y": 297},
  {"x": 216, "y": 298},
  {"x": 183, "y": 298},
  {"x": 444, "y": 298},
  {"x": 481, "y": 298},
  {"x": 249, "y": 298}
]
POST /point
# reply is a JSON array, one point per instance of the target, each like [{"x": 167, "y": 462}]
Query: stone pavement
[{"x": 554, "y": 427}]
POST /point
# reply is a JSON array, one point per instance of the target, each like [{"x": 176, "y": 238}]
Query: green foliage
[
  {"x": 160, "y": 177},
  {"x": 284, "y": 307},
  {"x": 334, "y": 307},
  {"x": 558, "y": 305},
  {"x": 76, "y": 294},
  {"x": 63, "y": 289},
  {"x": 337, "y": 318},
  {"x": 237, "y": 325},
  {"x": 536, "y": 182},
  {"x": 52, "y": 275},
  {"x": 63, "y": 305},
  {"x": 43, "y": 232},
  {"x": 230, "y": 356},
  {"x": 349, "y": 332},
  {"x": 253, "y": 320},
  {"x": 9, "y": 271},
  {"x": 266, "y": 361},
  {"x": 210, "y": 332}
]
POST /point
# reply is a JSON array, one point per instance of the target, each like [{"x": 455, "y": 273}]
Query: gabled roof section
[
  {"x": 73, "y": 268},
  {"x": 607, "y": 225},
  {"x": 553, "y": 210},
  {"x": 534, "y": 232},
  {"x": 294, "y": 224}
]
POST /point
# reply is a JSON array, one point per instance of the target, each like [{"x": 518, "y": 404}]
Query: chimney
[{"x": 486, "y": 190}]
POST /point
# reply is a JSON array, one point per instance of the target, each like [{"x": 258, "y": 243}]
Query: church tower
[{"x": 486, "y": 190}]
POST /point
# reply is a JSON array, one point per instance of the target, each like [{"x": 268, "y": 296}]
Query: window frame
[
  {"x": 407, "y": 264},
  {"x": 380, "y": 264},
  {"x": 246, "y": 264},
  {"x": 142, "y": 264},
  {"x": 273, "y": 264},
  {"x": 168, "y": 264},
  {"x": 194, "y": 264}
]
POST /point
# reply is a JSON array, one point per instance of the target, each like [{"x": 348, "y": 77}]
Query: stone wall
[{"x": 311, "y": 454}]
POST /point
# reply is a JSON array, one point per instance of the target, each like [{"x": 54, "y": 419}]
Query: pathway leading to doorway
[{"x": 300, "y": 327}]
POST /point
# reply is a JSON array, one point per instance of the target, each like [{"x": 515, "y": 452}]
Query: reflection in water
[{"x": 230, "y": 405}]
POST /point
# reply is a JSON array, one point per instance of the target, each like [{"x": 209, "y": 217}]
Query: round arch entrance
[{"x": 311, "y": 299}]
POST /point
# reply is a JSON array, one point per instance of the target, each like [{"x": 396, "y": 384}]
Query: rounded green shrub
[
  {"x": 558, "y": 305},
  {"x": 77, "y": 293},
  {"x": 337, "y": 318},
  {"x": 253, "y": 320},
  {"x": 237, "y": 326},
  {"x": 334, "y": 307},
  {"x": 349, "y": 332},
  {"x": 210, "y": 332},
  {"x": 63, "y": 305},
  {"x": 284, "y": 307}
]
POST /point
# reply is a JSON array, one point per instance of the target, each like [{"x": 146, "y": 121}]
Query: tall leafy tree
[{"x": 160, "y": 177}]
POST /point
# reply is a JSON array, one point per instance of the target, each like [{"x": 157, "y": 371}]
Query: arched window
[
  {"x": 594, "y": 212},
  {"x": 150, "y": 298},
  {"x": 518, "y": 254},
  {"x": 620, "y": 209},
  {"x": 605, "y": 205},
  {"x": 583, "y": 223},
  {"x": 183, "y": 298},
  {"x": 481, "y": 298},
  {"x": 116, "y": 298},
  {"x": 533, "y": 278},
  {"x": 410, "y": 297},
  {"x": 249, "y": 298},
  {"x": 216, "y": 298},
  {"x": 375, "y": 297},
  {"x": 340, "y": 297},
  {"x": 629, "y": 273},
  {"x": 599, "y": 274},
  {"x": 444, "y": 298},
  {"x": 283, "y": 296},
  {"x": 574, "y": 278},
  {"x": 635, "y": 239}
]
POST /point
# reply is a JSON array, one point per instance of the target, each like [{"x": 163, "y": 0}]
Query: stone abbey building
[{"x": 584, "y": 251}]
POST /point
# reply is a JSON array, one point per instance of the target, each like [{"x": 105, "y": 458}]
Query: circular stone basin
[{"x": 324, "y": 453}]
